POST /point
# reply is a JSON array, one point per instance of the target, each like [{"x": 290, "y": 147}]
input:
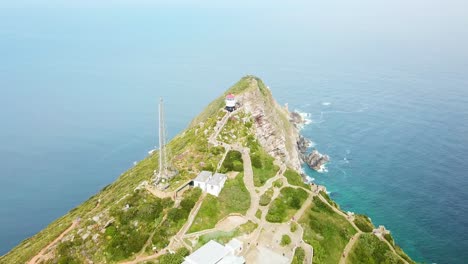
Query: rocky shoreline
[{"x": 314, "y": 159}]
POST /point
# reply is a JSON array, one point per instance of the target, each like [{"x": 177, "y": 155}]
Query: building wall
[{"x": 202, "y": 185}]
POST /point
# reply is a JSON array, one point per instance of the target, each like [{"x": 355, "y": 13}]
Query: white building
[
  {"x": 212, "y": 184},
  {"x": 215, "y": 253},
  {"x": 201, "y": 180}
]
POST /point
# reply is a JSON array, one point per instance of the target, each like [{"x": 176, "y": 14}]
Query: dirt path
[
  {"x": 41, "y": 254},
  {"x": 393, "y": 250},
  {"x": 191, "y": 217},
  {"x": 349, "y": 246},
  {"x": 339, "y": 212},
  {"x": 249, "y": 184},
  {"x": 141, "y": 259}
]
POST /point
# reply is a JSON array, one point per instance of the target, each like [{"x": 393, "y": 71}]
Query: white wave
[
  {"x": 305, "y": 116},
  {"x": 326, "y": 103},
  {"x": 311, "y": 144},
  {"x": 322, "y": 169}
]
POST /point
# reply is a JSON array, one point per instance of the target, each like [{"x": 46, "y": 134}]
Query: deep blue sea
[{"x": 385, "y": 87}]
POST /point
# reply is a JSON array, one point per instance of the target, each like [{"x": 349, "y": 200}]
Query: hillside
[{"x": 264, "y": 202}]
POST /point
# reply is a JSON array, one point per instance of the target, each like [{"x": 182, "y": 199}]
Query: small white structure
[
  {"x": 201, "y": 180},
  {"x": 215, "y": 253},
  {"x": 230, "y": 102},
  {"x": 212, "y": 184}
]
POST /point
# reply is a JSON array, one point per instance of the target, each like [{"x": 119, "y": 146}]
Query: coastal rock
[
  {"x": 303, "y": 144},
  {"x": 315, "y": 160},
  {"x": 296, "y": 119},
  {"x": 272, "y": 123}
]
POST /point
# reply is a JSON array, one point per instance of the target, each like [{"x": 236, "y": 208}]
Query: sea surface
[{"x": 385, "y": 87}]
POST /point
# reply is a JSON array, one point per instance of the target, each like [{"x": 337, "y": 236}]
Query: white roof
[
  {"x": 232, "y": 260},
  {"x": 217, "y": 179},
  {"x": 234, "y": 244},
  {"x": 203, "y": 176},
  {"x": 210, "y": 253}
]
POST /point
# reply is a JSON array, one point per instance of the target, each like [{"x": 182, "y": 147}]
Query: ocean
[{"x": 386, "y": 99}]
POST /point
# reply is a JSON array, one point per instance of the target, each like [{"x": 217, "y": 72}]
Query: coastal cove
[{"x": 79, "y": 115}]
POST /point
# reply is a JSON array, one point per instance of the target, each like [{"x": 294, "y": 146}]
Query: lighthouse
[{"x": 230, "y": 102}]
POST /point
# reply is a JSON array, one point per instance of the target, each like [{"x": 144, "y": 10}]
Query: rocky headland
[{"x": 264, "y": 200}]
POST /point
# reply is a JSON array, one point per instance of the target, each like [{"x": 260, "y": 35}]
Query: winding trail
[
  {"x": 41, "y": 254},
  {"x": 349, "y": 246}
]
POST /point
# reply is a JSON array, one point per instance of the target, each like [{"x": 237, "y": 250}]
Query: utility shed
[
  {"x": 216, "y": 183},
  {"x": 212, "y": 184},
  {"x": 201, "y": 180}
]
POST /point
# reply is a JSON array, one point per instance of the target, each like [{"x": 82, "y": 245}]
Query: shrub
[
  {"x": 278, "y": 183},
  {"x": 363, "y": 223},
  {"x": 265, "y": 199},
  {"x": 176, "y": 258},
  {"x": 389, "y": 238},
  {"x": 256, "y": 161},
  {"x": 285, "y": 240},
  {"x": 299, "y": 256},
  {"x": 233, "y": 162},
  {"x": 293, "y": 227}
]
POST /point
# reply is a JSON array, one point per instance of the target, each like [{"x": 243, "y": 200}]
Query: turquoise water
[{"x": 387, "y": 98}]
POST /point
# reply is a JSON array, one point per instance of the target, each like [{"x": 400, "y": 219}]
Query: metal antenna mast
[{"x": 162, "y": 143}]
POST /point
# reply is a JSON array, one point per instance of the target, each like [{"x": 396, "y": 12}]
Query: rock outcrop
[
  {"x": 277, "y": 129},
  {"x": 273, "y": 127},
  {"x": 315, "y": 160}
]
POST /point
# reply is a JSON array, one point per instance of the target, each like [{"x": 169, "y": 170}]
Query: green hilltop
[{"x": 264, "y": 201}]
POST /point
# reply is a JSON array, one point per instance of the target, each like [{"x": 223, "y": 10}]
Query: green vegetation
[
  {"x": 370, "y": 249},
  {"x": 286, "y": 204},
  {"x": 295, "y": 178},
  {"x": 326, "y": 231},
  {"x": 329, "y": 200},
  {"x": 262, "y": 163},
  {"x": 265, "y": 198},
  {"x": 363, "y": 222},
  {"x": 278, "y": 183},
  {"x": 192, "y": 153},
  {"x": 389, "y": 238},
  {"x": 176, "y": 258},
  {"x": 285, "y": 240},
  {"x": 133, "y": 225},
  {"x": 234, "y": 198},
  {"x": 224, "y": 237},
  {"x": 258, "y": 214},
  {"x": 299, "y": 256},
  {"x": 293, "y": 227},
  {"x": 232, "y": 162},
  {"x": 175, "y": 218},
  {"x": 236, "y": 129}
]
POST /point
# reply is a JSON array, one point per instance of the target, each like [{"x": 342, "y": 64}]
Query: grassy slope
[
  {"x": 234, "y": 198},
  {"x": 327, "y": 232},
  {"x": 286, "y": 204},
  {"x": 369, "y": 249}
]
